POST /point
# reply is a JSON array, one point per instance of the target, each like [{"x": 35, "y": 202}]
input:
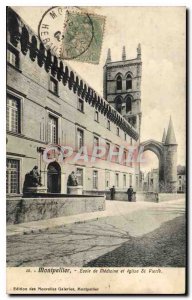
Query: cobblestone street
[{"x": 147, "y": 234}]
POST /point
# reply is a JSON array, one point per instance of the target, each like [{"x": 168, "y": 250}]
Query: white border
[{"x": 187, "y": 3}]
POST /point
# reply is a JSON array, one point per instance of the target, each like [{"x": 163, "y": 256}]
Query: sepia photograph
[{"x": 96, "y": 150}]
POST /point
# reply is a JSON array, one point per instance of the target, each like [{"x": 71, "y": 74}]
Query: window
[
  {"x": 52, "y": 130},
  {"x": 12, "y": 183},
  {"x": 179, "y": 176},
  {"x": 117, "y": 156},
  {"x": 108, "y": 125},
  {"x": 13, "y": 114},
  {"x": 95, "y": 179},
  {"x": 80, "y": 105},
  {"x": 107, "y": 149},
  {"x": 118, "y": 104},
  {"x": 128, "y": 105},
  {"x": 128, "y": 82},
  {"x": 119, "y": 82},
  {"x": 96, "y": 116},
  {"x": 80, "y": 138},
  {"x": 118, "y": 131},
  {"x": 124, "y": 180},
  {"x": 107, "y": 179},
  {"x": 95, "y": 141},
  {"x": 117, "y": 180},
  {"x": 124, "y": 157},
  {"x": 13, "y": 56},
  {"x": 53, "y": 87},
  {"x": 79, "y": 175},
  {"x": 125, "y": 136}
]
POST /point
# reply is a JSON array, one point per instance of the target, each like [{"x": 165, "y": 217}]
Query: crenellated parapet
[{"x": 21, "y": 36}]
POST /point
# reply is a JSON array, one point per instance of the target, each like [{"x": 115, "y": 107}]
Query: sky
[{"x": 161, "y": 33}]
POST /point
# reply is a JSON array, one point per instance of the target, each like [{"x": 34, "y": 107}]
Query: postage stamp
[{"x": 72, "y": 33}]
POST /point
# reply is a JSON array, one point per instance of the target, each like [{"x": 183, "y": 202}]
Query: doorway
[{"x": 54, "y": 178}]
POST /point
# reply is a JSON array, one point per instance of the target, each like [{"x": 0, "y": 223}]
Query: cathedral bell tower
[{"x": 122, "y": 86}]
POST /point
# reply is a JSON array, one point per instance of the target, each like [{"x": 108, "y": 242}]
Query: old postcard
[{"x": 96, "y": 150}]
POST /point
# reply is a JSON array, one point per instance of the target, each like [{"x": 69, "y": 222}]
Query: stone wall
[
  {"x": 140, "y": 196},
  {"x": 119, "y": 195},
  {"x": 169, "y": 196},
  {"x": 34, "y": 209}
]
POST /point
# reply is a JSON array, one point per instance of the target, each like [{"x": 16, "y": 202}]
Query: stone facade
[
  {"x": 122, "y": 86},
  {"x": 34, "y": 209},
  {"x": 45, "y": 89},
  {"x": 166, "y": 152}
]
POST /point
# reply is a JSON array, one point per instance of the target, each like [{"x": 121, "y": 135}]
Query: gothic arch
[
  {"x": 118, "y": 74},
  {"x": 158, "y": 149},
  {"x": 119, "y": 81},
  {"x": 128, "y": 73},
  {"x": 129, "y": 80}
]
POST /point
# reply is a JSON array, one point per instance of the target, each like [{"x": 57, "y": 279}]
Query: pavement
[
  {"x": 81, "y": 239},
  {"x": 113, "y": 208}
]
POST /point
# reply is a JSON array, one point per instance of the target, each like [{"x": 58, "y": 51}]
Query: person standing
[
  {"x": 112, "y": 190},
  {"x": 130, "y": 193}
]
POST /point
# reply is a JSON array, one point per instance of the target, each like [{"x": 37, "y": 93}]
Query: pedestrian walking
[
  {"x": 112, "y": 191},
  {"x": 130, "y": 193}
]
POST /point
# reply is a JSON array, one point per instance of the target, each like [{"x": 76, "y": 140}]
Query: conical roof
[
  {"x": 164, "y": 136},
  {"x": 170, "y": 138}
]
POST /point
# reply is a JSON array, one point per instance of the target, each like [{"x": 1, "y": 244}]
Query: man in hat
[
  {"x": 130, "y": 193},
  {"x": 112, "y": 191}
]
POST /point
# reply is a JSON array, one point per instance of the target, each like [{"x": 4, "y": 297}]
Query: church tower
[{"x": 122, "y": 86}]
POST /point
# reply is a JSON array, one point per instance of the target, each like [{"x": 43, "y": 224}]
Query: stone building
[
  {"x": 151, "y": 181},
  {"x": 166, "y": 152},
  {"x": 122, "y": 86},
  {"x": 49, "y": 103},
  {"x": 181, "y": 179}
]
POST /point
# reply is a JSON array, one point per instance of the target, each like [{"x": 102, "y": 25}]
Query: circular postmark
[{"x": 66, "y": 31}]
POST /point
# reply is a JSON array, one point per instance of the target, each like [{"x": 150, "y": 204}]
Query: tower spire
[
  {"x": 123, "y": 54},
  {"x": 164, "y": 136},
  {"x": 139, "y": 51},
  {"x": 108, "y": 56},
  {"x": 170, "y": 138}
]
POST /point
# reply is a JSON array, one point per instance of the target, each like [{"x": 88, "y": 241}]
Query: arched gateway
[{"x": 166, "y": 152}]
